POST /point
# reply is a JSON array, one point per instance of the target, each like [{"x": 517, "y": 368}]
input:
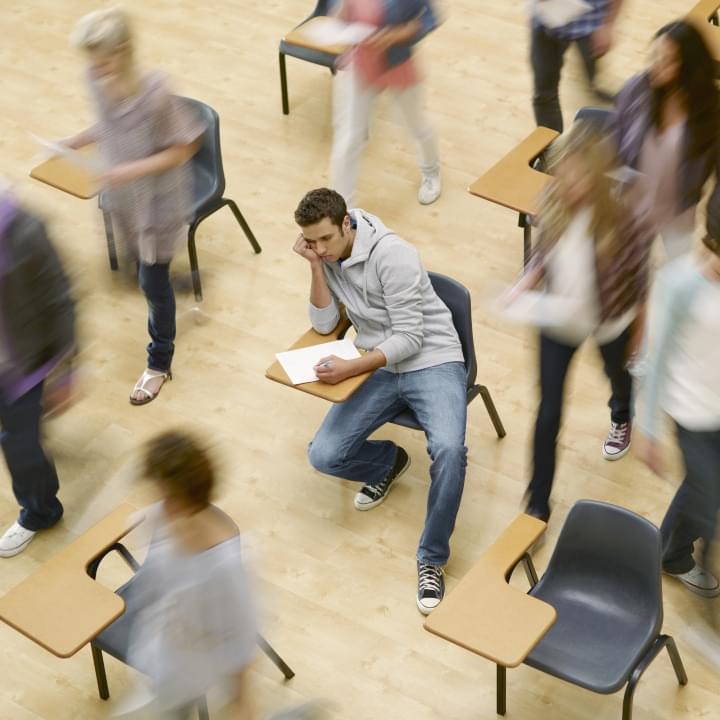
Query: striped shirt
[{"x": 582, "y": 26}]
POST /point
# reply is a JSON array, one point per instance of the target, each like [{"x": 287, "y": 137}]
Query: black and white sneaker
[
  {"x": 431, "y": 587},
  {"x": 372, "y": 495}
]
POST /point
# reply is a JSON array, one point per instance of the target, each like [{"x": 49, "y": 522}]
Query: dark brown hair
[
  {"x": 697, "y": 81},
  {"x": 318, "y": 204},
  {"x": 181, "y": 466}
]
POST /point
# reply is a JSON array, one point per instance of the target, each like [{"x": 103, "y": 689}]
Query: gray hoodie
[{"x": 390, "y": 301}]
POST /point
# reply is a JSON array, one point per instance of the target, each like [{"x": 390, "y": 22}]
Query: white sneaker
[
  {"x": 430, "y": 188},
  {"x": 15, "y": 540},
  {"x": 700, "y": 581}
]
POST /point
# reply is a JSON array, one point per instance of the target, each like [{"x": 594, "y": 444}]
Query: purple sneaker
[{"x": 617, "y": 443}]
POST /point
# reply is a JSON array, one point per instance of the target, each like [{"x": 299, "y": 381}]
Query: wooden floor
[{"x": 337, "y": 585}]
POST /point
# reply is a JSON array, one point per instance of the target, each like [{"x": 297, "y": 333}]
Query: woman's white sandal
[{"x": 140, "y": 386}]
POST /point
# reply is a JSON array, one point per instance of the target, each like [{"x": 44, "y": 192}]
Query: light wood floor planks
[{"x": 337, "y": 585}]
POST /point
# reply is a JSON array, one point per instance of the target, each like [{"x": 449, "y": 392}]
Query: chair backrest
[
  {"x": 599, "y": 117},
  {"x": 457, "y": 298},
  {"x": 322, "y": 7},
  {"x": 207, "y": 166},
  {"x": 614, "y": 556}
]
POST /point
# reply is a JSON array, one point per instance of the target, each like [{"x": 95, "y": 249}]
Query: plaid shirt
[{"x": 583, "y": 26}]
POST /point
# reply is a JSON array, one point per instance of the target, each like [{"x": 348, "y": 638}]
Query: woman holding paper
[
  {"x": 146, "y": 138},
  {"x": 666, "y": 126},
  {"x": 382, "y": 62},
  {"x": 592, "y": 254}
]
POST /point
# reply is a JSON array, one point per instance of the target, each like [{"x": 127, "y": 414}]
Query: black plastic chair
[
  {"x": 457, "y": 299},
  {"x": 604, "y": 581},
  {"x": 114, "y": 640},
  {"x": 318, "y": 57},
  {"x": 208, "y": 189},
  {"x": 597, "y": 116}
]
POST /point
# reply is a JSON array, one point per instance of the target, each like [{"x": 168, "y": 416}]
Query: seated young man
[{"x": 411, "y": 344}]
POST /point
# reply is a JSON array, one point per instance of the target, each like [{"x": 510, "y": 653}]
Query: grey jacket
[
  {"x": 37, "y": 313},
  {"x": 390, "y": 301},
  {"x": 630, "y": 124}
]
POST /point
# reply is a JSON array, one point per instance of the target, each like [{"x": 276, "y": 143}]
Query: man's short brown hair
[
  {"x": 182, "y": 467},
  {"x": 319, "y": 204}
]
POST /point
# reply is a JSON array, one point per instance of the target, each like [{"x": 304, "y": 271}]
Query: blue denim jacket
[{"x": 402, "y": 11}]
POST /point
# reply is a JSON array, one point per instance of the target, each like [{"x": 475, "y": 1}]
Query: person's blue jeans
[
  {"x": 155, "y": 283},
  {"x": 555, "y": 358},
  {"x": 693, "y": 513},
  {"x": 34, "y": 480},
  {"x": 438, "y": 398}
]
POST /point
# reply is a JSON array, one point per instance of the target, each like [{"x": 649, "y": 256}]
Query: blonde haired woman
[
  {"x": 593, "y": 254},
  {"x": 146, "y": 138}
]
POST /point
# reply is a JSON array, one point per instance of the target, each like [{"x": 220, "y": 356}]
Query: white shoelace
[
  {"x": 618, "y": 431},
  {"x": 429, "y": 578}
]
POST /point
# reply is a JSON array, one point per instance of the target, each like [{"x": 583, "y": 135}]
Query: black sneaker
[
  {"x": 372, "y": 495},
  {"x": 431, "y": 587}
]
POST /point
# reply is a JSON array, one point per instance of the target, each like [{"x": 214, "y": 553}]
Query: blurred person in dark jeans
[
  {"x": 37, "y": 332},
  {"x": 683, "y": 380},
  {"x": 592, "y": 32}
]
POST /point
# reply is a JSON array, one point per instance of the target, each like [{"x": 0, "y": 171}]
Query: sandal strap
[{"x": 145, "y": 377}]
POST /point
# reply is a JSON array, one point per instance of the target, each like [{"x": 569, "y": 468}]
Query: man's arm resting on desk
[{"x": 332, "y": 369}]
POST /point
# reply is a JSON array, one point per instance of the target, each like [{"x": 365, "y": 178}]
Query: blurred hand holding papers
[
  {"x": 540, "y": 309},
  {"x": 73, "y": 172},
  {"x": 556, "y": 13},
  {"x": 86, "y": 162},
  {"x": 299, "y": 364},
  {"x": 330, "y": 32}
]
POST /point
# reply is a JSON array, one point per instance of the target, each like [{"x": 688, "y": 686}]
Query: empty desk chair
[
  {"x": 312, "y": 55},
  {"x": 604, "y": 581}
]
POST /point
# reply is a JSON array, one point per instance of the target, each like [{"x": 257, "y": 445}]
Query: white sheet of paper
[
  {"x": 328, "y": 31},
  {"x": 538, "y": 308},
  {"x": 76, "y": 158},
  {"x": 299, "y": 364},
  {"x": 556, "y": 13}
]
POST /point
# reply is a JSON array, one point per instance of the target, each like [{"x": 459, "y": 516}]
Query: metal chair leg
[
  {"x": 660, "y": 642},
  {"x": 283, "y": 85},
  {"x": 284, "y": 668},
  {"x": 243, "y": 224},
  {"x": 202, "y": 709},
  {"x": 530, "y": 571},
  {"x": 194, "y": 267},
  {"x": 492, "y": 412},
  {"x": 501, "y": 689},
  {"x": 110, "y": 239},
  {"x": 676, "y": 660},
  {"x": 100, "y": 674}
]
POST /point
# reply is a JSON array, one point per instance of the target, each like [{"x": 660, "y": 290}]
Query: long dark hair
[{"x": 696, "y": 80}]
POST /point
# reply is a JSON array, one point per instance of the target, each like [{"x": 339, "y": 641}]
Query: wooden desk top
[
  {"x": 511, "y": 182},
  {"x": 60, "y": 173},
  {"x": 59, "y": 606},
  {"x": 297, "y": 37},
  {"x": 334, "y": 393},
  {"x": 487, "y": 616},
  {"x": 700, "y": 17}
]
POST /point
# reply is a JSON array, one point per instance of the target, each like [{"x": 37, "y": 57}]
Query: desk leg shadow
[{"x": 97, "y": 654}]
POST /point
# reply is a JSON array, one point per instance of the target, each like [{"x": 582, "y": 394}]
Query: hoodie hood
[{"x": 369, "y": 231}]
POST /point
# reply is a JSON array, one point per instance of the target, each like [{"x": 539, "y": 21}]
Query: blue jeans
[
  {"x": 692, "y": 514},
  {"x": 34, "y": 480},
  {"x": 437, "y": 397},
  {"x": 155, "y": 283}
]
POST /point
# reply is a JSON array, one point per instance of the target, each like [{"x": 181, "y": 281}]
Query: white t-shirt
[
  {"x": 197, "y": 627},
  {"x": 570, "y": 271}
]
